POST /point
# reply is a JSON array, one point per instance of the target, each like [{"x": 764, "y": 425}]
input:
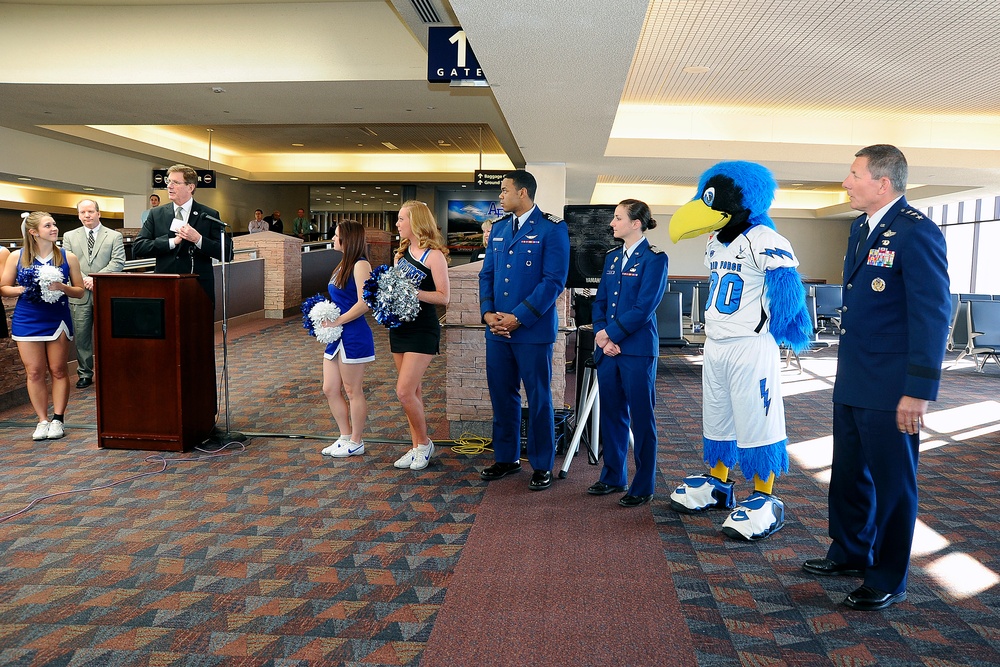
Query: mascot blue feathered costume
[{"x": 756, "y": 302}]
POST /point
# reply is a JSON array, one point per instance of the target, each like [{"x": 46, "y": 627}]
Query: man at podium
[{"x": 183, "y": 235}]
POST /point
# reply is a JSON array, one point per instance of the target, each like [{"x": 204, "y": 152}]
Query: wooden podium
[{"x": 154, "y": 343}]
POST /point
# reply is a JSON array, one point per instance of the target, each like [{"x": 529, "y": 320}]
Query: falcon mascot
[{"x": 756, "y": 302}]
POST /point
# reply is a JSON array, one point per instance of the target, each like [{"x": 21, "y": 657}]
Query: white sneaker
[
  {"x": 330, "y": 449},
  {"x": 755, "y": 518},
  {"x": 406, "y": 460},
  {"x": 55, "y": 430},
  {"x": 348, "y": 448},
  {"x": 422, "y": 455},
  {"x": 42, "y": 431}
]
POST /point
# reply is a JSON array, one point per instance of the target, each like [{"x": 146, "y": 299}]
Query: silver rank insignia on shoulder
[
  {"x": 889, "y": 234},
  {"x": 878, "y": 284}
]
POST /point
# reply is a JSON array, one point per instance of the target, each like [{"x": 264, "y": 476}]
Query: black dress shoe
[
  {"x": 540, "y": 479},
  {"x": 83, "y": 383},
  {"x": 602, "y": 489},
  {"x": 867, "y": 598},
  {"x": 498, "y": 470},
  {"x": 828, "y": 568},
  {"x": 634, "y": 501}
]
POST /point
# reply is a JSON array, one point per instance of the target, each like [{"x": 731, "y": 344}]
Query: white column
[{"x": 551, "y": 194}]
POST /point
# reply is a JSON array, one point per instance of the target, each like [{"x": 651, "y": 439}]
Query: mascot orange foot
[{"x": 756, "y": 302}]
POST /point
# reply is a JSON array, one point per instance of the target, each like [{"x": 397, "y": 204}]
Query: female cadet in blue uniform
[{"x": 627, "y": 345}]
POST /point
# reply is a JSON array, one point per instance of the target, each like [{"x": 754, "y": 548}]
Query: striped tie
[{"x": 90, "y": 243}]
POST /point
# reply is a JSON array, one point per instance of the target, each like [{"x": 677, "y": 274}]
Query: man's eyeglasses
[{"x": 171, "y": 182}]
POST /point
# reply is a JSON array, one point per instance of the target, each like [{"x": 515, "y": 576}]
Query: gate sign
[{"x": 449, "y": 57}]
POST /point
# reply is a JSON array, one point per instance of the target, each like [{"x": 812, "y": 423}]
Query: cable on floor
[{"x": 152, "y": 458}]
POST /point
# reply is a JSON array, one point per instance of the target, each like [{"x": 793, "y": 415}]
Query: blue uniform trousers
[
  {"x": 873, "y": 495},
  {"x": 507, "y": 365},
  {"x": 627, "y": 398}
]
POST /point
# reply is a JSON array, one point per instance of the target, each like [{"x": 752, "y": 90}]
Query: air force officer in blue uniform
[
  {"x": 626, "y": 347},
  {"x": 894, "y": 326},
  {"x": 525, "y": 269}
]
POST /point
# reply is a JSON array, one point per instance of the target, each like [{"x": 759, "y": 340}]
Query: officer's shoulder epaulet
[
  {"x": 555, "y": 219},
  {"x": 611, "y": 250},
  {"x": 654, "y": 249},
  {"x": 912, "y": 213}
]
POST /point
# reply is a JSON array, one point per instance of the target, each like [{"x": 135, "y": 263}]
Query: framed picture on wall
[{"x": 467, "y": 220}]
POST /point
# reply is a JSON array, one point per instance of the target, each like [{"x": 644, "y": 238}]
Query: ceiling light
[
  {"x": 697, "y": 69},
  {"x": 370, "y": 132},
  {"x": 88, "y": 189},
  {"x": 233, "y": 178},
  {"x": 218, "y": 89},
  {"x": 390, "y": 145},
  {"x": 299, "y": 145},
  {"x": 23, "y": 178}
]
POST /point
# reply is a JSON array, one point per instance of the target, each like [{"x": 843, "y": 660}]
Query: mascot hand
[{"x": 790, "y": 322}]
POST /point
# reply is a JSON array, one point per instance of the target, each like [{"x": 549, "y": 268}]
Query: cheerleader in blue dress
[
  {"x": 41, "y": 324},
  {"x": 345, "y": 359},
  {"x": 421, "y": 255}
]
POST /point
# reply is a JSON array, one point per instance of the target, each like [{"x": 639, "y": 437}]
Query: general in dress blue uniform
[
  {"x": 894, "y": 327},
  {"x": 624, "y": 312},
  {"x": 524, "y": 272}
]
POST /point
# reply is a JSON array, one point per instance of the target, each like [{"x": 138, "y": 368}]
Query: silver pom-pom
[
  {"x": 47, "y": 275},
  {"x": 325, "y": 311}
]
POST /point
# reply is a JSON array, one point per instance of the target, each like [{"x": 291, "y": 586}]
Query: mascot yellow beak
[{"x": 694, "y": 219}]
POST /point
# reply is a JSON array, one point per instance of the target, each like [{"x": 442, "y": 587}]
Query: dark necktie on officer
[
  {"x": 517, "y": 224},
  {"x": 862, "y": 239}
]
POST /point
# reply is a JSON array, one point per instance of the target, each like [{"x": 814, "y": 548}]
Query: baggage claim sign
[{"x": 450, "y": 58}]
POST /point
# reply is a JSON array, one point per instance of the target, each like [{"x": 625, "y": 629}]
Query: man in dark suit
[
  {"x": 894, "y": 325},
  {"x": 180, "y": 234},
  {"x": 522, "y": 276}
]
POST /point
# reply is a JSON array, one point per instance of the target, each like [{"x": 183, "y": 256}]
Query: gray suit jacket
[{"x": 109, "y": 254}]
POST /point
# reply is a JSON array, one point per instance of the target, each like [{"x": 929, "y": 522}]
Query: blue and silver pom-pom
[
  {"x": 27, "y": 277},
  {"x": 48, "y": 274},
  {"x": 392, "y": 296},
  {"x": 315, "y": 311}
]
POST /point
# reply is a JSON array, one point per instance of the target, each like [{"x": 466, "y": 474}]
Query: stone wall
[
  {"x": 282, "y": 255},
  {"x": 468, "y": 407}
]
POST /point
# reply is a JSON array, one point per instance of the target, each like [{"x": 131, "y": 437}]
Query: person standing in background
[
  {"x": 626, "y": 349},
  {"x": 257, "y": 224},
  {"x": 302, "y": 226},
  {"x": 525, "y": 270},
  {"x": 274, "y": 222},
  {"x": 99, "y": 250},
  {"x": 422, "y": 258},
  {"x": 893, "y": 330},
  {"x": 154, "y": 201}
]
